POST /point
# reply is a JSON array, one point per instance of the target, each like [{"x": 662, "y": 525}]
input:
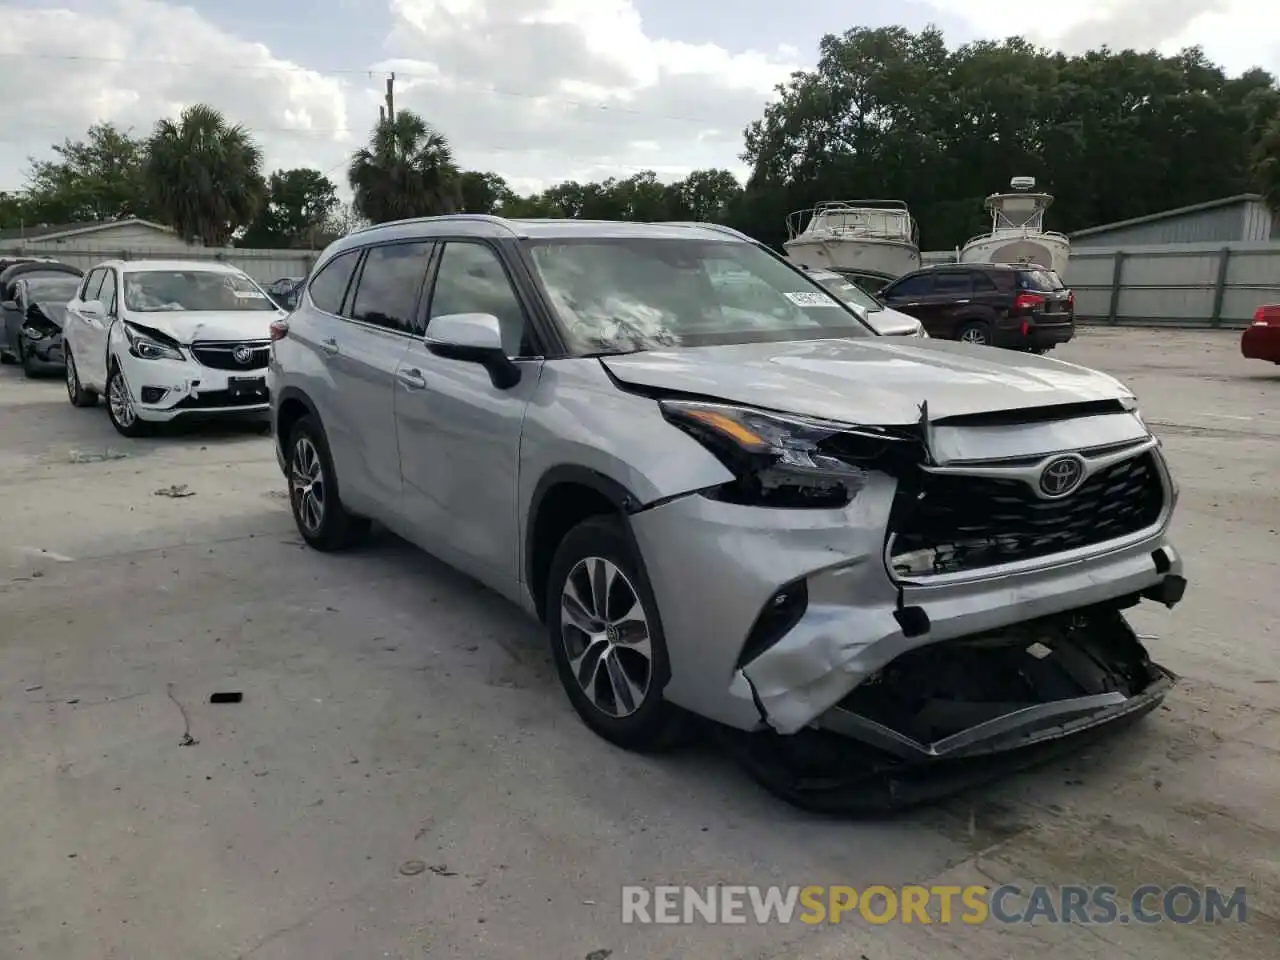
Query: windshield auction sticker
[{"x": 811, "y": 300}]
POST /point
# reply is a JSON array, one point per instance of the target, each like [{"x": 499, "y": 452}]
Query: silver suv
[{"x": 765, "y": 514}]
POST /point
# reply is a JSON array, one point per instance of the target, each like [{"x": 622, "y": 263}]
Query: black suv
[{"x": 1016, "y": 305}]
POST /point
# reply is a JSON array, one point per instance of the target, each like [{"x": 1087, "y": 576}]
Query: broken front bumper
[{"x": 774, "y": 617}]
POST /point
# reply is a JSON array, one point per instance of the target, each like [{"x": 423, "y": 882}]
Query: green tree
[
  {"x": 407, "y": 170},
  {"x": 705, "y": 195},
  {"x": 483, "y": 192},
  {"x": 298, "y": 205},
  {"x": 98, "y": 178},
  {"x": 13, "y": 210},
  {"x": 205, "y": 175}
]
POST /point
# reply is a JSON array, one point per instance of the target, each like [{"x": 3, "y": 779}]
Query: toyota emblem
[
  {"x": 242, "y": 354},
  {"x": 1061, "y": 476}
]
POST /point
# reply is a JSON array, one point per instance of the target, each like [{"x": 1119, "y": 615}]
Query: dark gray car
[{"x": 38, "y": 349}]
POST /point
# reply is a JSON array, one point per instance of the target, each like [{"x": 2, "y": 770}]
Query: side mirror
[
  {"x": 10, "y": 304},
  {"x": 473, "y": 338},
  {"x": 93, "y": 309}
]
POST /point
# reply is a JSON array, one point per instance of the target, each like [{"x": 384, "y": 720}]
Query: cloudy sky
[{"x": 537, "y": 90}]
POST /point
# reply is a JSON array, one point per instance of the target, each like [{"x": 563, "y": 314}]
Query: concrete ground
[{"x": 404, "y": 777}]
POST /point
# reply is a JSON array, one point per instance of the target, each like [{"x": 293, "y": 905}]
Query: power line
[{"x": 368, "y": 72}]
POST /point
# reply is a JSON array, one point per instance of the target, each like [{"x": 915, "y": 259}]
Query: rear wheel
[
  {"x": 607, "y": 640},
  {"x": 975, "y": 332},
  {"x": 313, "y": 494},
  {"x": 76, "y": 393}
]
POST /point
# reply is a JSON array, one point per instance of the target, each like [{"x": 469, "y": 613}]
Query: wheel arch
[
  {"x": 291, "y": 406},
  {"x": 564, "y": 496}
]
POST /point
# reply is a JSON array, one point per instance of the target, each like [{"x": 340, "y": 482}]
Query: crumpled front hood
[
  {"x": 874, "y": 380},
  {"x": 190, "y": 326}
]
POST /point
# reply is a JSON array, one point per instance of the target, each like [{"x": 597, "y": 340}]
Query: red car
[{"x": 1262, "y": 340}]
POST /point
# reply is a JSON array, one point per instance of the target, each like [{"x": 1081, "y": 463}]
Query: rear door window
[
  {"x": 93, "y": 284},
  {"x": 389, "y": 283}
]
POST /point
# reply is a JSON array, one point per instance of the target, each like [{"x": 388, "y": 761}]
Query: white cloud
[
  {"x": 555, "y": 89},
  {"x": 538, "y": 90},
  {"x": 131, "y": 63}
]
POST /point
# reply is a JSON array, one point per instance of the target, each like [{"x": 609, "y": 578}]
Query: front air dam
[{"x": 959, "y": 713}]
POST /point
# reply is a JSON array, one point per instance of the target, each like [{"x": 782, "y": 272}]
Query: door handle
[
  {"x": 412, "y": 378},
  {"x": 329, "y": 345}
]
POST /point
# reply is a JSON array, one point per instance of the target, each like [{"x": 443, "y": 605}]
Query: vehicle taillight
[
  {"x": 279, "y": 329},
  {"x": 1262, "y": 316},
  {"x": 1071, "y": 299},
  {"x": 1028, "y": 301}
]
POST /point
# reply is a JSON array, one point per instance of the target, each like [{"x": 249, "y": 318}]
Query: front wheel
[
  {"x": 606, "y": 637},
  {"x": 120, "y": 409},
  {"x": 977, "y": 333},
  {"x": 76, "y": 393}
]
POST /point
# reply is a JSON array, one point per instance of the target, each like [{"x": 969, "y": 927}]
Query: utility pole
[{"x": 391, "y": 97}]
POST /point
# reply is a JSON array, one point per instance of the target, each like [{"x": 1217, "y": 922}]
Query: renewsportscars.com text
[{"x": 935, "y": 904}]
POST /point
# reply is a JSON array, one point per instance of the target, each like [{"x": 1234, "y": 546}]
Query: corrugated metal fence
[
  {"x": 1174, "y": 284},
  {"x": 263, "y": 265}
]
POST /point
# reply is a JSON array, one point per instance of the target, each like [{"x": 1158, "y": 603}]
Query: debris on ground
[
  {"x": 176, "y": 491},
  {"x": 96, "y": 456},
  {"x": 599, "y": 955},
  {"x": 33, "y": 689},
  {"x": 411, "y": 868},
  {"x": 232, "y": 696},
  {"x": 187, "y": 740},
  {"x": 440, "y": 870}
]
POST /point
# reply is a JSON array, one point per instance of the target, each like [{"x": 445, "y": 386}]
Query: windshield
[
  {"x": 56, "y": 289},
  {"x": 164, "y": 291},
  {"x": 622, "y": 296},
  {"x": 848, "y": 291}
]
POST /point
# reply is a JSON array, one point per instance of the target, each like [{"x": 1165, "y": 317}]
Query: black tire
[
  {"x": 336, "y": 529},
  {"x": 126, "y": 428},
  {"x": 28, "y": 367},
  {"x": 976, "y": 332},
  {"x": 653, "y": 724},
  {"x": 76, "y": 393}
]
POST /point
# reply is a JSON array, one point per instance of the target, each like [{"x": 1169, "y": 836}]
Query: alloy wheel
[
  {"x": 73, "y": 379},
  {"x": 973, "y": 335},
  {"x": 118, "y": 398},
  {"x": 606, "y": 637},
  {"x": 307, "y": 486}
]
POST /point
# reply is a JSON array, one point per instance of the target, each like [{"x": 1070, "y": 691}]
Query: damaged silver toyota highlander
[{"x": 876, "y": 564}]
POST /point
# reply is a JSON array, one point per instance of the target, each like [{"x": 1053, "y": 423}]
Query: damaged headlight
[
  {"x": 779, "y": 460},
  {"x": 149, "y": 346}
]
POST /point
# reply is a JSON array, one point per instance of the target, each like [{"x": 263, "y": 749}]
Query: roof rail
[
  {"x": 481, "y": 217},
  {"x": 716, "y": 227}
]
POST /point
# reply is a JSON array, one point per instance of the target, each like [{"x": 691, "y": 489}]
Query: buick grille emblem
[
  {"x": 1061, "y": 476},
  {"x": 242, "y": 354}
]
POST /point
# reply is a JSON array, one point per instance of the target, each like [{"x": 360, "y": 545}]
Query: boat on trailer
[
  {"x": 873, "y": 239},
  {"x": 1017, "y": 232}
]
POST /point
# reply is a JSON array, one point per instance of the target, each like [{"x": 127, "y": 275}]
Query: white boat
[
  {"x": 1017, "y": 230},
  {"x": 872, "y": 238}
]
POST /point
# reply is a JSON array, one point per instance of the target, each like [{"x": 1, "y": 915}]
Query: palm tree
[
  {"x": 407, "y": 170},
  {"x": 205, "y": 174}
]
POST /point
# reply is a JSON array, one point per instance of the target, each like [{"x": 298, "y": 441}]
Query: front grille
[
  {"x": 221, "y": 355},
  {"x": 968, "y": 523}
]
